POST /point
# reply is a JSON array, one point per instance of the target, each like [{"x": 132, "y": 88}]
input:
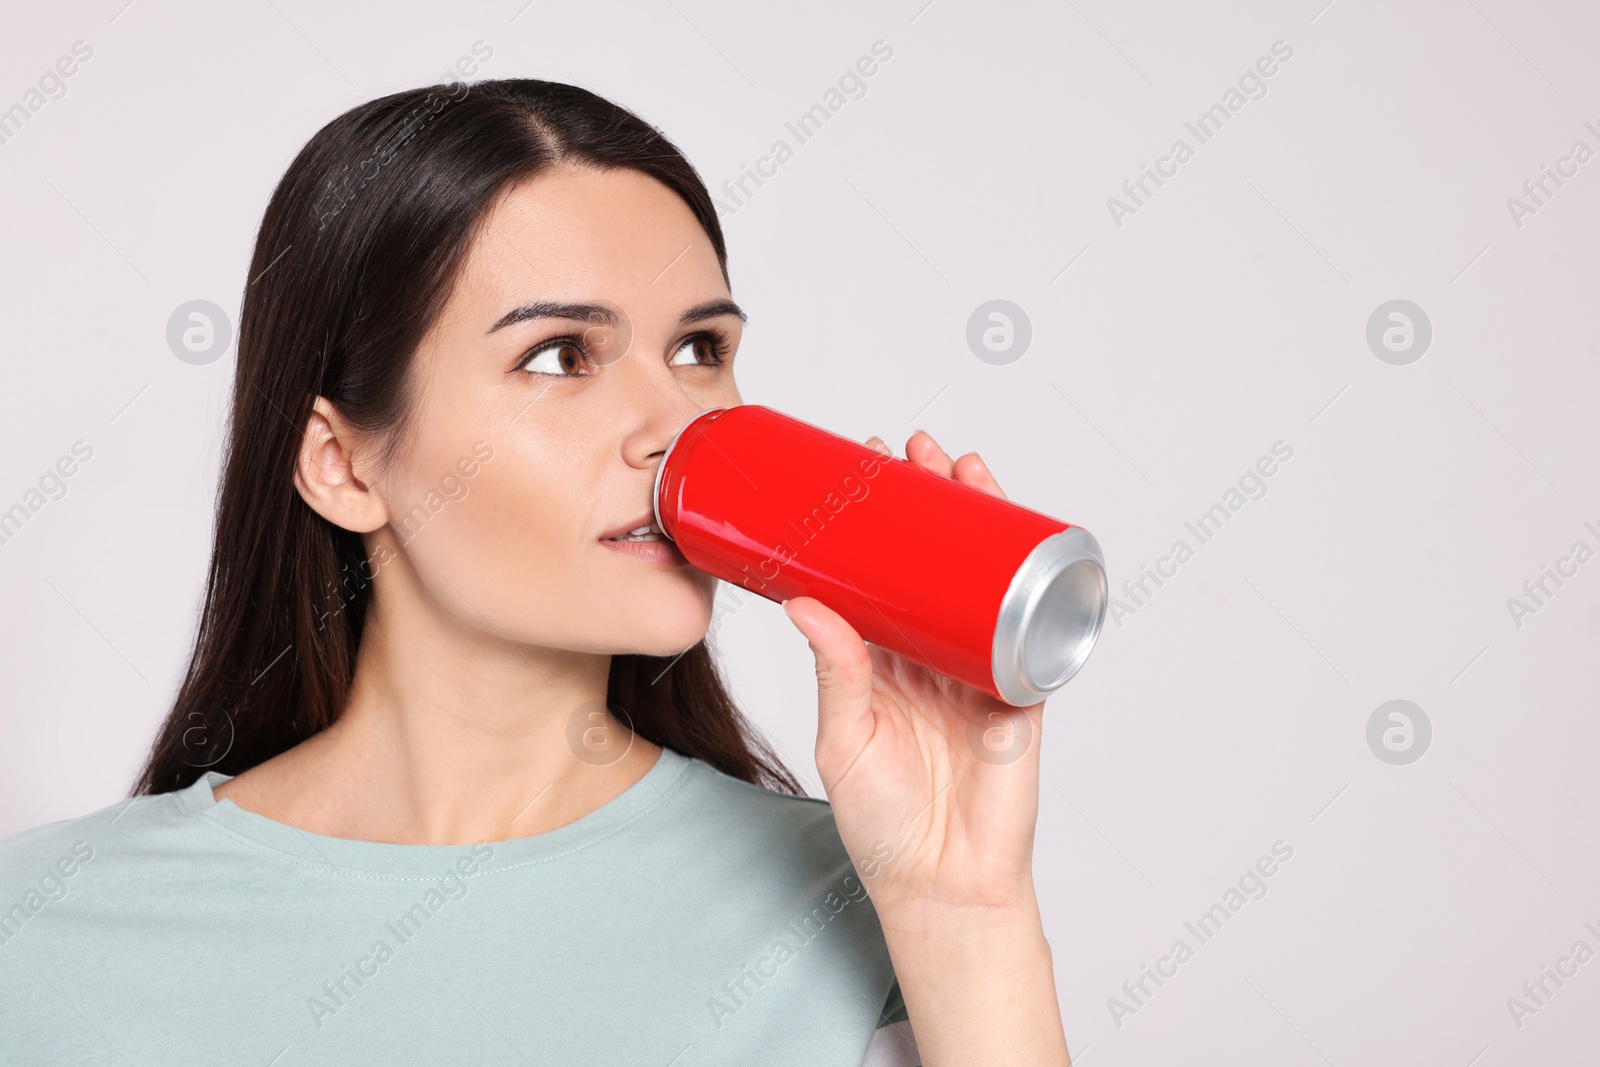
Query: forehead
[{"x": 582, "y": 233}]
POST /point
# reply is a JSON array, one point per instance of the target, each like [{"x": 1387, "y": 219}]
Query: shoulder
[
  {"x": 780, "y": 851},
  {"x": 762, "y": 802},
  {"x": 29, "y": 853},
  {"x": 39, "y": 866},
  {"x": 789, "y": 849},
  {"x": 46, "y": 859},
  {"x": 41, "y": 844},
  {"x": 794, "y": 830}
]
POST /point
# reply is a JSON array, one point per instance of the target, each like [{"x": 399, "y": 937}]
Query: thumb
[{"x": 844, "y": 676}]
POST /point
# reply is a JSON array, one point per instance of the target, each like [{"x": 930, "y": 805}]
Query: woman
[{"x": 452, "y": 776}]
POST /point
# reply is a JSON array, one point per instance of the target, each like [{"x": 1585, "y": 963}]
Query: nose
[{"x": 661, "y": 409}]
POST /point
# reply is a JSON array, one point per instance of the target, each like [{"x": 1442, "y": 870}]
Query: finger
[
  {"x": 844, "y": 673},
  {"x": 924, "y": 451},
  {"x": 971, "y": 470},
  {"x": 877, "y": 442}
]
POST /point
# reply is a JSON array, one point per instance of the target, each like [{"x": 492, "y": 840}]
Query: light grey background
[{"x": 1227, "y": 712}]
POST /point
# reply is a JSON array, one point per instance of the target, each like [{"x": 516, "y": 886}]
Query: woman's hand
[
  {"x": 934, "y": 785},
  {"x": 935, "y": 791}
]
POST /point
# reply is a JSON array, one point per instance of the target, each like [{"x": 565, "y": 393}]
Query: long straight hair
[{"x": 357, "y": 252}]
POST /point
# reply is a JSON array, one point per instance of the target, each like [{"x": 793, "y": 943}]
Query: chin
[
  {"x": 666, "y": 646},
  {"x": 668, "y": 626}
]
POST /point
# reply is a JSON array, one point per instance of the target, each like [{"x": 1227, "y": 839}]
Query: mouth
[
  {"x": 640, "y": 528},
  {"x": 642, "y": 538}
]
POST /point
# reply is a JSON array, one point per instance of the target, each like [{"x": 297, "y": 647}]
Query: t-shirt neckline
[{"x": 384, "y": 858}]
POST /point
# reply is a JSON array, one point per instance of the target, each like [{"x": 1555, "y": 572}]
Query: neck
[{"x": 452, "y": 735}]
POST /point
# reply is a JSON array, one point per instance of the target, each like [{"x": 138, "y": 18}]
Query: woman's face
[{"x": 538, "y": 426}]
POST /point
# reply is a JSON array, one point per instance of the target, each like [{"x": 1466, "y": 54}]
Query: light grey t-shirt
[{"x": 695, "y": 919}]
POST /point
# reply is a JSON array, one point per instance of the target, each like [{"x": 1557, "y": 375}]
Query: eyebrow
[
  {"x": 597, "y": 313},
  {"x": 710, "y": 310}
]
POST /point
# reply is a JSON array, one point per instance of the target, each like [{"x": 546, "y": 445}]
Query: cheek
[
  {"x": 516, "y": 556},
  {"x": 514, "y": 537}
]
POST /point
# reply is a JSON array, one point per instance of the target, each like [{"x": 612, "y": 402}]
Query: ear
[{"x": 325, "y": 472}]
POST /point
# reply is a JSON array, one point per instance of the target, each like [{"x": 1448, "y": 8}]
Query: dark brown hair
[{"x": 356, "y": 255}]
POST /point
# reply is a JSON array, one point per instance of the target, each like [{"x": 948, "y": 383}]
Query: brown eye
[
  {"x": 559, "y": 359},
  {"x": 703, "y": 351}
]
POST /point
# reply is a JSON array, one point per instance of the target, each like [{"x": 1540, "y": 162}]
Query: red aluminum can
[{"x": 982, "y": 590}]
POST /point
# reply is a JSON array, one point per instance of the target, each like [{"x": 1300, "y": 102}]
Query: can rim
[
  {"x": 1049, "y": 560},
  {"x": 655, "y": 489}
]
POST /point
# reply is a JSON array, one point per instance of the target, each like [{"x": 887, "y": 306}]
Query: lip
[
  {"x": 646, "y": 518},
  {"x": 655, "y": 553}
]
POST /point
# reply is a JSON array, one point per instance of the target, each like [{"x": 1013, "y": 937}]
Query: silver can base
[{"x": 1050, "y": 617}]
